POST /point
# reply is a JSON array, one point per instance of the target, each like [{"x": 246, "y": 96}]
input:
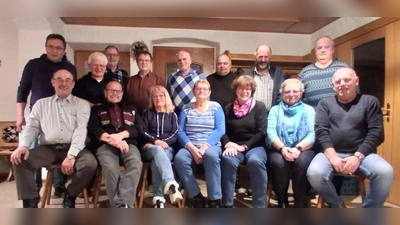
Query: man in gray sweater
[{"x": 349, "y": 128}]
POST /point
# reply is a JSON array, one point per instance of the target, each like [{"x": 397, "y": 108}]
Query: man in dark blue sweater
[
  {"x": 349, "y": 128},
  {"x": 36, "y": 79}
]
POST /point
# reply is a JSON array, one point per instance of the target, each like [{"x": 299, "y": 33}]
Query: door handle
[{"x": 386, "y": 112}]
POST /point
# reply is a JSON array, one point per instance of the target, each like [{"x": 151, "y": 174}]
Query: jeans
[
  {"x": 255, "y": 160},
  {"x": 280, "y": 172},
  {"x": 373, "y": 167},
  {"x": 160, "y": 160},
  {"x": 211, "y": 160},
  {"x": 120, "y": 186}
]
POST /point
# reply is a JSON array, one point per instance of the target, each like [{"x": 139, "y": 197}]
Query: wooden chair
[
  {"x": 361, "y": 186},
  {"x": 48, "y": 187}
]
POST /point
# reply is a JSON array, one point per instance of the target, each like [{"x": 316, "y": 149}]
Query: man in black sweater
[{"x": 349, "y": 128}]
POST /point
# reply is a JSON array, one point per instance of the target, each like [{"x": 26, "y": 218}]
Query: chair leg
[
  {"x": 142, "y": 185},
  {"x": 269, "y": 191},
  {"x": 181, "y": 204},
  {"x": 320, "y": 201},
  {"x": 47, "y": 188},
  {"x": 85, "y": 198},
  {"x": 361, "y": 184},
  {"x": 97, "y": 186}
]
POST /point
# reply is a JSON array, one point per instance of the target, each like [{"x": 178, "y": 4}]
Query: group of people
[{"x": 300, "y": 129}]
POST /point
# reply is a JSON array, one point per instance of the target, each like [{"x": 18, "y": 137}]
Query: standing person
[
  {"x": 267, "y": 77},
  {"x": 180, "y": 85},
  {"x": 91, "y": 86},
  {"x": 349, "y": 128},
  {"x": 139, "y": 85},
  {"x": 244, "y": 142},
  {"x": 116, "y": 127},
  {"x": 201, "y": 126},
  {"x": 60, "y": 123},
  {"x": 222, "y": 80},
  {"x": 160, "y": 133},
  {"x": 113, "y": 70},
  {"x": 317, "y": 77},
  {"x": 290, "y": 132},
  {"x": 36, "y": 79}
]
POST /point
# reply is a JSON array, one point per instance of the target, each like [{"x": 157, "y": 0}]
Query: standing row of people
[{"x": 223, "y": 133}]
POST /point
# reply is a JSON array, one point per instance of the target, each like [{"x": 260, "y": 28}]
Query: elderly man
[
  {"x": 113, "y": 71},
  {"x": 180, "y": 84},
  {"x": 36, "y": 79},
  {"x": 268, "y": 78},
  {"x": 317, "y": 76},
  {"x": 221, "y": 81},
  {"x": 349, "y": 128},
  {"x": 138, "y": 86},
  {"x": 91, "y": 86},
  {"x": 60, "y": 122},
  {"x": 116, "y": 128}
]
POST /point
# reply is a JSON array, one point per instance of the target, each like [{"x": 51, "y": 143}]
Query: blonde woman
[{"x": 160, "y": 133}]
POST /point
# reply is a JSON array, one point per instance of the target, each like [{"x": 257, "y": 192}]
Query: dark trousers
[
  {"x": 280, "y": 171},
  {"x": 45, "y": 155}
]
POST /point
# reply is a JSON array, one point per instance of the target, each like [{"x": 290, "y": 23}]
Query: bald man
[
  {"x": 180, "y": 84},
  {"x": 221, "y": 81},
  {"x": 349, "y": 128},
  {"x": 268, "y": 78}
]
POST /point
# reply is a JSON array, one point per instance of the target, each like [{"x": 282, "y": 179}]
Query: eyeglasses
[
  {"x": 57, "y": 48},
  {"x": 144, "y": 60},
  {"x": 98, "y": 65},
  {"x": 114, "y": 91},
  {"x": 158, "y": 96},
  {"x": 112, "y": 55},
  {"x": 295, "y": 92},
  {"x": 202, "y": 88},
  {"x": 60, "y": 80}
]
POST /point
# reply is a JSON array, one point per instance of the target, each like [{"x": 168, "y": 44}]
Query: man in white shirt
[{"x": 59, "y": 122}]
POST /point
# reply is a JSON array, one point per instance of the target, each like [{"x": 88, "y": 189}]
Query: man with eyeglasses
[
  {"x": 60, "y": 123},
  {"x": 36, "y": 79},
  {"x": 138, "y": 86},
  {"x": 116, "y": 128},
  {"x": 91, "y": 86},
  {"x": 267, "y": 77},
  {"x": 113, "y": 69}
]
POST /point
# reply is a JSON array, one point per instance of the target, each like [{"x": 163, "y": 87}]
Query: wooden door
[
  {"x": 389, "y": 88},
  {"x": 81, "y": 61},
  {"x": 164, "y": 62}
]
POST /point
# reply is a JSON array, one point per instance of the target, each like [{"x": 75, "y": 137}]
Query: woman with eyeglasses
[
  {"x": 290, "y": 131},
  {"x": 244, "y": 142},
  {"x": 201, "y": 126},
  {"x": 160, "y": 133}
]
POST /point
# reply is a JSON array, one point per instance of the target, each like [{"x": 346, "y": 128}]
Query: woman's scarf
[
  {"x": 299, "y": 127},
  {"x": 242, "y": 110}
]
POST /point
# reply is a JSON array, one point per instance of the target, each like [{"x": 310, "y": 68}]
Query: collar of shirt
[
  {"x": 265, "y": 73},
  {"x": 191, "y": 72},
  {"x": 56, "y": 98}
]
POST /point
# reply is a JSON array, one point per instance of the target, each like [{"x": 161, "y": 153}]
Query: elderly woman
[
  {"x": 244, "y": 142},
  {"x": 290, "y": 131},
  {"x": 160, "y": 133},
  {"x": 201, "y": 126}
]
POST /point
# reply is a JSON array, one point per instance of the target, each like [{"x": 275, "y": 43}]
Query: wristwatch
[
  {"x": 360, "y": 158},
  {"x": 280, "y": 149},
  {"x": 299, "y": 148},
  {"x": 70, "y": 157}
]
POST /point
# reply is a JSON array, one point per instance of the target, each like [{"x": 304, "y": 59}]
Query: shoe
[
  {"x": 199, "y": 201},
  {"x": 158, "y": 202},
  {"x": 123, "y": 206},
  {"x": 214, "y": 203},
  {"x": 171, "y": 188},
  {"x": 69, "y": 201},
  {"x": 58, "y": 191},
  {"x": 30, "y": 203}
]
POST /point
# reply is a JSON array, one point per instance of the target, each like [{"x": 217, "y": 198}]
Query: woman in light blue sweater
[
  {"x": 200, "y": 128},
  {"x": 290, "y": 132}
]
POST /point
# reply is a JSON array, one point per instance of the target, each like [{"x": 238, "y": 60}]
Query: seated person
[
  {"x": 160, "y": 133},
  {"x": 116, "y": 127},
  {"x": 349, "y": 128},
  {"x": 290, "y": 131},
  {"x": 244, "y": 142},
  {"x": 60, "y": 123},
  {"x": 201, "y": 126}
]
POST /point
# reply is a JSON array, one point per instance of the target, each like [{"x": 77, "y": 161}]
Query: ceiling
[{"x": 294, "y": 25}]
